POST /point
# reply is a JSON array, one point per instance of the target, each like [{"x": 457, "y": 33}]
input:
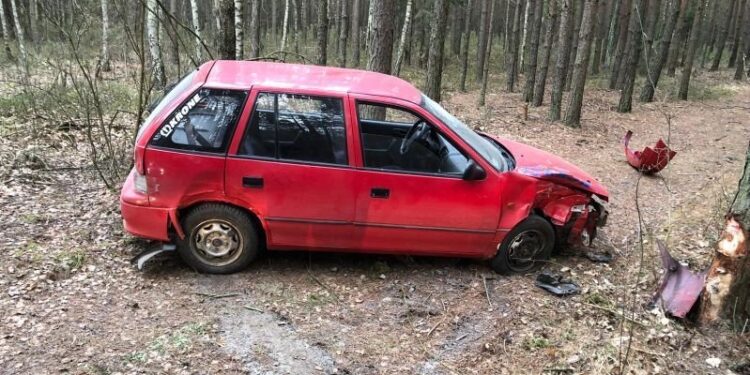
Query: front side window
[
  {"x": 296, "y": 127},
  {"x": 203, "y": 123},
  {"x": 396, "y": 139}
]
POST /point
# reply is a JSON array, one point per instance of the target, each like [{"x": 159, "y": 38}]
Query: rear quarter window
[{"x": 204, "y": 122}]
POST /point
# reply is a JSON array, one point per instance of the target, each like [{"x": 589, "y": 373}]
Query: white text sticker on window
[{"x": 167, "y": 129}]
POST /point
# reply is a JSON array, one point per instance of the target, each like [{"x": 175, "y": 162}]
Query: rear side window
[
  {"x": 203, "y": 123},
  {"x": 296, "y": 127}
]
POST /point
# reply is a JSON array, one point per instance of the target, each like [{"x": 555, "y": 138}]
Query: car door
[
  {"x": 417, "y": 202},
  {"x": 291, "y": 166}
]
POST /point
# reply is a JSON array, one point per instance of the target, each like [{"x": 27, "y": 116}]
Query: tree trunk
[
  {"x": 563, "y": 53},
  {"x": 239, "y": 29},
  {"x": 708, "y": 34},
  {"x": 322, "y": 32},
  {"x": 197, "y": 29},
  {"x": 157, "y": 65},
  {"x": 573, "y": 114},
  {"x": 343, "y": 33},
  {"x": 437, "y": 47},
  {"x": 634, "y": 55},
  {"x": 600, "y": 37},
  {"x": 722, "y": 37},
  {"x": 742, "y": 46},
  {"x": 356, "y": 32},
  {"x": 535, "y": 13},
  {"x": 726, "y": 294},
  {"x": 226, "y": 33},
  {"x": 677, "y": 40},
  {"x": 695, "y": 39},
  {"x": 104, "y": 60},
  {"x": 275, "y": 22},
  {"x": 574, "y": 43},
  {"x": 514, "y": 41},
  {"x": 487, "y": 53},
  {"x": 285, "y": 25},
  {"x": 623, "y": 20},
  {"x": 254, "y": 29},
  {"x": 524, "y": 34},
  {"x": 456, "y": 30},
  {"x": 660, "y": 57},
  {"x": 465, "y": 44},
  {"x": 380, "y": 45},
  {"x": 6, "y": 33},
  {"x": 402, "y": 41},
  {"x": 549, "y": 34},
  {"x": 738, "y": 32},
  {"x": 482, "y": 36},
  {"x": 174, "y": 37},
  {"x": 20, "y": 38}
]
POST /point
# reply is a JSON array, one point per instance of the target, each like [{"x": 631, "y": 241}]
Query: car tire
[
  {"x": 219, "y": 239},
  {"x": 532, "y": 239}
]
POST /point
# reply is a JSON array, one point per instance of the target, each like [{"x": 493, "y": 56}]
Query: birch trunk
[
  {"x": 254, "y": 29},
  {"x": 6, "y": 33},
  {"x": 196, "y": 29},
  {"x": 20, "y": 38},
  {"x": 239, "y": 29},
  {"x": 285, "y": 25},
  {"x": 104, "y": 59},
  {"x": 402, "y": 41},
  {"x": 152, "y": 34}
]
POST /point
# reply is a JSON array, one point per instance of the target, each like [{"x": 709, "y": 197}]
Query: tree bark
[
  {"x": 634, "y": 55},
  {"x": 722, "y": 38},
  {"x": 20, "y": 38},
  {"x": 402, "y": 41},
  {"x": 437, "y": 46},
  {"x": 487, "y": 53},
  {"x": 285, "y": 26},
  {"x": 239, "y": 29},
  {"x": 356, "y": 33},
  {"x": 254, "y": 29},
  {"x": 104, "y": 60},
  {"x": 695, "y": 39},
  {"x": 482, "y": 36},
  {"x": 573, "y": 114},
  {"x": 726, "y": 292},
  {"x": 196, "y": 29},
  {"x": 512, "y": 54},
  {"x": 535, "y": 12},
  {"x": 6, "y": 33},
  {"x": 742, "y": 46},
  {"x": 226, "y": 33},
  {"x": 157, "y": 64},
  {"x": 677, "y": 40},
  {"x": 343, "y": 33},
  {"x": 574, "y": 43},
  {"x": 561, "y": 65},
  {"x": 465, "y": 44},
  {"x": 322, "y": 32},
  {"x": 549, "y": 34},
  {"x": 600, "y": 37},
  {"x": 660, "y": 57},
  {"x": 380, "y": 45},
  {"x": 456, "y": 23},
  {"x": 623, "y": 20},
  {"x": 738, "y": 32},
  {"x": 274, "y": 20}
]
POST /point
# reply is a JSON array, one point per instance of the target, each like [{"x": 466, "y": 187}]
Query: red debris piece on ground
[
  {"x": 650, "y": 160},
  {"x": 680, "y": 288}
]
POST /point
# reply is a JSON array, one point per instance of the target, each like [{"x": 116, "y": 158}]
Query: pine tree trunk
[
  {"x": 20, "y": 37},
  {"x": 695, "y": 39},
  {"x": 356, "y": 32},
  {"x": 630, "y": 67},
  {"x": 738, "y": 32},
  {"x": 709, "y": 31},
  {"x": 197, "y": 29},
  {"x": 535, "y": 15},
  {"x": 549, "y": 35},
  {"x": 239, "y": 29},
  {"x": 254, "y": 28},
  {"x": 574, "y": 43},
  {"x": 600, "y": 35},
  {"x": 722, "y": 37},
  {"x": 322, "y": 32},
  {"x": 623, "y": 20},
  {"x": 514, "y": 41},
  {"x": 104, "y": 60},
  {"x": 726, "y": 295},
  {"x": 285, "y": 26},
  {"x": 678, "y": 39},
  {"x": 226, "y": 32},
  {"x": 465, "y": 44},
  {"x": 487, "y": 54},
  {"x": 343, "y": 33},
  {"x": 482, "y": 35},
  {"x": 380, "y": 44},
  {"x": 742, "y": 45},
  {"x": 456, "y": 25},
  {"x": 6, "y": 33},
  {"x": 402, "y": 41},
  {"x": 660, "y": 57},
  {"x": 573, "y": 114},
  {"x": 437, "y": 47},
  {"x": 563, "y": 54}
]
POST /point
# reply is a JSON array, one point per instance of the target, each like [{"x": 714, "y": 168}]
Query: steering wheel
[{"x": 419, "y": 130}]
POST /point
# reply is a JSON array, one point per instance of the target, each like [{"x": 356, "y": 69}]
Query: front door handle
[
  {"x": 252, "y": 182},
  {"x": 380, "y": 193}
]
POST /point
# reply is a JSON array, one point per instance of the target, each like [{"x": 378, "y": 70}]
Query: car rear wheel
[
  {"x": 218, "y": 239},
  {"x": 525, "y": 247}
]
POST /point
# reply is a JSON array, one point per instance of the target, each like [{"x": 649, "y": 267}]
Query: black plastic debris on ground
[
  {"x": 556, "y": 285},
  {"x": 603, "y": 257}
]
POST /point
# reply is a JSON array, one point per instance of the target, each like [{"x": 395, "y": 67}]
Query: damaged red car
[{"x": 241, "y": 157}]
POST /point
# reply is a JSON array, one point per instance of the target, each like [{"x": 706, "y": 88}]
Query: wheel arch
[{"x": 255, "y": 217}]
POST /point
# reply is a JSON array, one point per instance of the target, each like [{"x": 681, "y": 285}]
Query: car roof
[{"x": 244, "y": 74}]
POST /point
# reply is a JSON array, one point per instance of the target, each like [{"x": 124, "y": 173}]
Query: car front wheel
[
  {"x": 525, "y": 247},
  {"x": 218, "y": 239}
]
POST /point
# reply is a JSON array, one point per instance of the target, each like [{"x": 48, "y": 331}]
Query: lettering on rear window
[{"x": 168, "y": 128}]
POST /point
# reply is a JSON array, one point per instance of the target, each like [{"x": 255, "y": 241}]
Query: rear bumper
[{"x": 146, "y": 222}]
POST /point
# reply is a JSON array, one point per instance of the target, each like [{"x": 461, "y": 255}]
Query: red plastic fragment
[
  {"x": 680, "y": 288},
  {"x": 650, "y": 160}
]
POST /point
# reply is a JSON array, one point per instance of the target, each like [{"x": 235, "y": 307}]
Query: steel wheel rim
[
  {"x": 217, "y": 242},
  {"x": 524, "y": 248}
]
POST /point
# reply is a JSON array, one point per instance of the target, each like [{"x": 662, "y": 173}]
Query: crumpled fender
[{"x": 651, "y": 159}]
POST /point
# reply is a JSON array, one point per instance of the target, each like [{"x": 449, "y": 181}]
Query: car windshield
[
  {"x": 488, "y": 149},
  {"x": 164, "y": 101}
]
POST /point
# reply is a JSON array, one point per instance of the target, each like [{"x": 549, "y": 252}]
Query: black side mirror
[{"x": 473, "y": 172}]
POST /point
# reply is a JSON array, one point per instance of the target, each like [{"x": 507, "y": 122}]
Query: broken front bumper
[{"x": 585, "y": 220}]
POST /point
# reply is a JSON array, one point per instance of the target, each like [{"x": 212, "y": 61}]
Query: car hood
[{"x": 543, "y": 165}]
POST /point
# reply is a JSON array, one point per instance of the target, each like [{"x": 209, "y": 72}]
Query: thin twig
[{"x": 217, "y": 296}]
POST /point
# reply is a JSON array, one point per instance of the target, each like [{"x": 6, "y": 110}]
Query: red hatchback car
[{"x": 242, "y": 156}]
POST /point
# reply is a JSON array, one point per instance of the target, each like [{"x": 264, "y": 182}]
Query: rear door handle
[
  {"x": 252, "y": 182},
  {"x": 380, "y": 193}
]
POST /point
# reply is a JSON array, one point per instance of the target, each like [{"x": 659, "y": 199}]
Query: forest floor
[{"x": 71, "y": 302}]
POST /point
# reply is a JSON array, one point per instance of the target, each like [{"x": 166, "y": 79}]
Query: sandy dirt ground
[{"x": 70, "y": 301}]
